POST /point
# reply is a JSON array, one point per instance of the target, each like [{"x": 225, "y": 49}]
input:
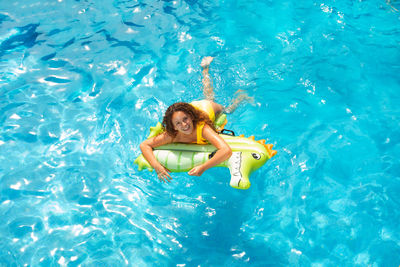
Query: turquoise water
[{"x": 82, "y": 82}]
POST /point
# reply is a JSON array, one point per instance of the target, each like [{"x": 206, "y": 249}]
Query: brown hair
[{"x": 195, "y": 114}]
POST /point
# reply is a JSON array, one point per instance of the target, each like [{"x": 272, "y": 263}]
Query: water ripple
[{"x": 82, "y": 82}]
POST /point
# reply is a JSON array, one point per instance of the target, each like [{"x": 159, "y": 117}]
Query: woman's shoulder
[
  {"x": 166, "y": 137},
  {"x": 160, "y": 139},
  {"x": 207, "y": 127},
  {"x": 213, "y": 137},
  {"x": 207, "y": 131}
]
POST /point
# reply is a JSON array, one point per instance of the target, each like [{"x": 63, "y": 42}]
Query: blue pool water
[{"x": 81, "y": 82}]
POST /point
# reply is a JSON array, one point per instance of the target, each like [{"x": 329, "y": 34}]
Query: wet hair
[{"x": 195, "y": 114}]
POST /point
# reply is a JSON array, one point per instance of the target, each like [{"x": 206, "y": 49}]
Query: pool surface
[{"x": 81, "y": 82}]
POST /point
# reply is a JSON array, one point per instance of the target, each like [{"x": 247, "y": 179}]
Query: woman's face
[{"x": 182, "y": 122}]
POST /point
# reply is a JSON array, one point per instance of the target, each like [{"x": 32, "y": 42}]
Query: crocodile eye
[{"x": 256, "y": 156}]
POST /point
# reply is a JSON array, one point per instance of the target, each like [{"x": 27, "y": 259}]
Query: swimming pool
[{"x": 82, "y": 82}]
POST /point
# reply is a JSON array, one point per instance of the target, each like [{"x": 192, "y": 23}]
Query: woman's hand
[
  {"x": 222, "y": 153},
  {"x": 163, "y": 174},
  {"x": 197, "y": 171},
  {"x": 147, "y": 150}
]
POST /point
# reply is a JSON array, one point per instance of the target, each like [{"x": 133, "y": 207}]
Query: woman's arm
[
  {"x": 223, "y": 153},
  {"x": 147, "y": 150}
]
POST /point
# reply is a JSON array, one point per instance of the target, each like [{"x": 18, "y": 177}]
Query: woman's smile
[{"x": 185, "y": 128}]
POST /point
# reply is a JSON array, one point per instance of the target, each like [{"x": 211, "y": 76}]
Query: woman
[{"x": 192, "y": 123}]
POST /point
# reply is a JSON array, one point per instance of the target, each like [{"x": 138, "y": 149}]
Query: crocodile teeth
[{"x": 234, "y": 163}]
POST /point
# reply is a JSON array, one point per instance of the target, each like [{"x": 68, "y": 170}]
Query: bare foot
[{"x": 206, "y": 61}]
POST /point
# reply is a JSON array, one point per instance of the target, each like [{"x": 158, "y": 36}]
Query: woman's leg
[
  {"x": 239, "y": 99},
  {"x": 232, "y": 107},
  {"x": 208, "y": 89},
  {"x": 209, "y": 95},
  {"x": 391, "y": 6}
]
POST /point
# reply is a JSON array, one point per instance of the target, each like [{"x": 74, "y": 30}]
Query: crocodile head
[{"x": 242, "y": 163}]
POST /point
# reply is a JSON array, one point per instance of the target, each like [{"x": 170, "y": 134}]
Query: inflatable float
[{"x": 248, "y": 155}]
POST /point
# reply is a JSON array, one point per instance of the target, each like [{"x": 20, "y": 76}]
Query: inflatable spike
[
  {"x": 271, "y": 152},
  {"x": 251, "y": 137},
  {"x": 143, "y": 164},
  {"x": 242, "y": 135},
  {"x": 262, "y": 141},
  {"x": 156, "y": 130}
]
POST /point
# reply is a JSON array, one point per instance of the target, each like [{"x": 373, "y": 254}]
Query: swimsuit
[{"x": 206, "y": 107}]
